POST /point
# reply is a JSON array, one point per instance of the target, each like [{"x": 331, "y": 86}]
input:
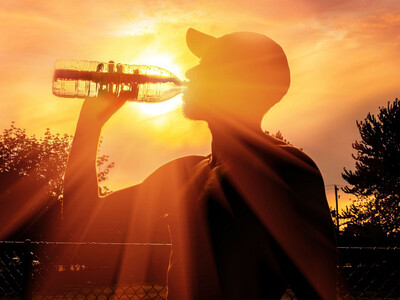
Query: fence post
[{"x": 27, "y": 269}]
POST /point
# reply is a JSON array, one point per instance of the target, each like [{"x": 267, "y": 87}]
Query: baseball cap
[{"x": 243, "y": 56}]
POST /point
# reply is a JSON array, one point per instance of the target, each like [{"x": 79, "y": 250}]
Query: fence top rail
[
  {"x": 157, "y": 244},
  {"x": 81, "y": 243},
  {"x": 369, "y": 248}
]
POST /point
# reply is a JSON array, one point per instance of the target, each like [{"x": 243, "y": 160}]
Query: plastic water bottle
[{"x": 84, "y": 79}]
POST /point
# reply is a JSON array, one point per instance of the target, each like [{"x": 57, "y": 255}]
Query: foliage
[
  {"x": 43, "y": 159},
  {"x": 32, "y": 174},
  {"x": 278, "y": 135},
  {"x": 376, "y": 179}
]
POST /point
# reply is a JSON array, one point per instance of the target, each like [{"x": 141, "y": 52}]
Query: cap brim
[{"x": 199, "y": 42}]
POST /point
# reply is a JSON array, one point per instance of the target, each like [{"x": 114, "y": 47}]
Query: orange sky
[{"x": 343, "y": 57}]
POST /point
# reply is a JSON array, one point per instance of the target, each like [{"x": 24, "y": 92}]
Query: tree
[
  {"x": 31, "y": 178},
  {"x": 376, "y": 179},
  {"x": 278, "y": 135}
]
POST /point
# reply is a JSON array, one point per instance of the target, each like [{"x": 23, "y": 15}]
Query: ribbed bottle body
[{"x": 86, "y": 79}]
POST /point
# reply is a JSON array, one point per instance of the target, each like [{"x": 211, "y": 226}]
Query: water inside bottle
[{"x": 82, "y": 79}]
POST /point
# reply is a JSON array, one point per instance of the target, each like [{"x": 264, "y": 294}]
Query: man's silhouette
[{"x": 247, "y": 220}]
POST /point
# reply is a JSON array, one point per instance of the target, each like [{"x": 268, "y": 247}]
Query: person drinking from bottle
[{"x": 247, "y": 221}]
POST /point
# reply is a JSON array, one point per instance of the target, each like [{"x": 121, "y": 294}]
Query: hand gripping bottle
[{"x": 86, "y": 79}]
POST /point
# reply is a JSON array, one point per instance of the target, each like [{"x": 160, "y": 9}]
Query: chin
[
  {"x": 188, "y": 109},
  {"x": 195, "y": 108},
  {"x": 189, "y": 112}
]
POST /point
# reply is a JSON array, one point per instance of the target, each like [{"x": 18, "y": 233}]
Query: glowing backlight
[
  {"x": 156, "y": 109},
  {"x": 167, "y": 62}
]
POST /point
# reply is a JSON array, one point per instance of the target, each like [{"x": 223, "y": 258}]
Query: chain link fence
[
  {"x": 369, "y": 273},
  {"x": 64, "y": 270}
]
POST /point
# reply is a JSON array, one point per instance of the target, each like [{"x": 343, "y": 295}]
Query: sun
[{"x": 167, "y": 62}]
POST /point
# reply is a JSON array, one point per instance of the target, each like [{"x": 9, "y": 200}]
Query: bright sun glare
[
  {"x": 156, "y": 109},
  {"x": 164, "y": 61}
]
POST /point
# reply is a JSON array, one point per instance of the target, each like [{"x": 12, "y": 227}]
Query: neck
[{"x": 226, "y": 133}]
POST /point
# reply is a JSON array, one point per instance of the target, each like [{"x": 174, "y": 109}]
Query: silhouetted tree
[
  {"x": 278, "y": 135},
  {"x": 31, "y": 178},
  {"x": 376, "y": 179}
]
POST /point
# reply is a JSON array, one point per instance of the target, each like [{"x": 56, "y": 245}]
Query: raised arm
[
  {"x": 115, "y": 217},
  {"x": 81, "y": 200}
]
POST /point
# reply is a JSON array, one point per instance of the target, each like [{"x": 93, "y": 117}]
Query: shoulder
[
  {"x": 303, "y": 172},
  {"x": 300, "y": 156},
  {"x": 295, "y": 155},
  {"x": 184, "y": 162},
  {"x": 179, "y": 167},
  {"x": 294, "y": 162}
]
